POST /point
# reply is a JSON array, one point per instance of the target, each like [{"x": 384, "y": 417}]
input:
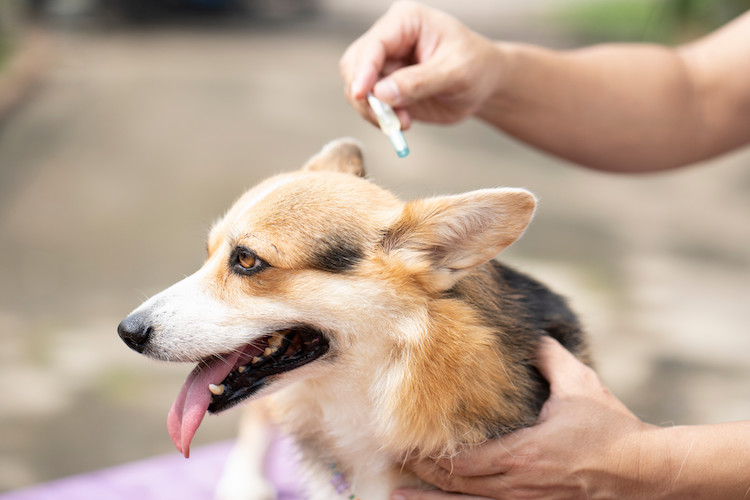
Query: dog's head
[{"x": 304, "y": 270}]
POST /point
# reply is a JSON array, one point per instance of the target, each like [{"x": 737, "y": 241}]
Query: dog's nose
[{"x": 134, "y": 332}]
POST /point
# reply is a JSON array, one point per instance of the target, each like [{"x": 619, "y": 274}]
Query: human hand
[
  {"x": 587, "y": 444},
  {"x": 433, "y": 68}
]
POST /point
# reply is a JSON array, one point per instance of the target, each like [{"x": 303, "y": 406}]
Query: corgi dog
[{"x": 368, "y": 329}]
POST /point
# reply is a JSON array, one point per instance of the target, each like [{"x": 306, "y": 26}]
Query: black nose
[{"x": 134, "y": 332}]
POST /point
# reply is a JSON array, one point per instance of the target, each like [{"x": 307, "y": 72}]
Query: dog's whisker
[{"x": 144, "y": 295}]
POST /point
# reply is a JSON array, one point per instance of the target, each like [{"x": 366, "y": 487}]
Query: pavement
[{"x": 135, "y": 140}]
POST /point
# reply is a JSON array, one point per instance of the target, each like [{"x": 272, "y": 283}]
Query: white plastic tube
[{"x": 389, "y": 124}]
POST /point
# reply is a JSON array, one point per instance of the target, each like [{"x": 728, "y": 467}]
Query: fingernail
[
  {"x": 357, "y": 90},
  {"x": 398, "y": 496},
  {"x": 386, "y": 90}
]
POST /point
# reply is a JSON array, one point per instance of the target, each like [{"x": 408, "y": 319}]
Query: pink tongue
[{"x": 191, "y": 404}]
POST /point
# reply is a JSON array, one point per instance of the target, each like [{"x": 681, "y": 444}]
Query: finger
[
  {"x": 432, "y": 473},
  {"x": 360, "y": 66},
  {"x": 391, "y": 65},
  {"x": 359, "y": 104},
  {"x": 564, "y": 372},
  {"x": 404, "y": 117},
  {"x": 367, "y": 72},
  {"x": 493, "y": 457},
  {"x": 411, "y": 84},
  {"x": 364, "y": 109},
  {"x": 359, "y": 69},
  {"x": 429, "y": 471},
  {"x": 415, "y": 494},
  {"x": 392, "y": 37}
]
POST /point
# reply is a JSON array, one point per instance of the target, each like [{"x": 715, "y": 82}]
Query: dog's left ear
[
  {"x": 342, "y": 155},
  {"x": 442, "y": 239}
]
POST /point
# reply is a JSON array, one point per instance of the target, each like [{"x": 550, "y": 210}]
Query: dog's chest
[{"x": 338, "y": 435}]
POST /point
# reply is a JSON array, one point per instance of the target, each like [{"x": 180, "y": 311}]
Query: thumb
[
  {"x": 564, "y": 372},
  {"x": 410, "y": 84}
]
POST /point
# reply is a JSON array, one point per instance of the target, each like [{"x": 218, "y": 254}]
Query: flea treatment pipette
[{"x": 389, "y": 124}]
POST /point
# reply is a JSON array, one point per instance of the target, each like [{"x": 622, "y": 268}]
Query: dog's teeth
[
  {"x": 216, "y": 390},
  {"x": 256, "y": 360},
  {"x": 270, "y": 351},
  {"x": 242, "y": 368},
  {"x": 275, "y": 341}
]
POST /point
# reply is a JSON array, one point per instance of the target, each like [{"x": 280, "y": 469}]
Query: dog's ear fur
[
  {"x": 342, "y": 155},
  {"x": 442, "y": 239}
]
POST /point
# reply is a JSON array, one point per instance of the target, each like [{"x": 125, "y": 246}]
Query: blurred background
[{"x": 127, "y": 127}]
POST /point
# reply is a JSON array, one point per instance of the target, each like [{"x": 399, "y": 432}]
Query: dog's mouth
[
  {"x": 276, "y": 353},
  {"x": 219, "y": 383}
]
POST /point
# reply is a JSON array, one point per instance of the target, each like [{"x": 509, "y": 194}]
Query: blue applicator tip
[{"x": 399, "y": 143}]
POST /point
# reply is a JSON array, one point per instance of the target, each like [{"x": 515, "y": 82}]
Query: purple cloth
[{"x": 167, "y": 477}]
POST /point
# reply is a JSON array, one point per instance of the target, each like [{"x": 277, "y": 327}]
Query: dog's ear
[
  {"x": 342, "y": 155},
  {"x": 441, "y": 239}
]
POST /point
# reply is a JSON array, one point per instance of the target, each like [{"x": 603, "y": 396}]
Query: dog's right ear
[
  {"x": 342, "y": 155},
  {"x": 439, "y": 240}
]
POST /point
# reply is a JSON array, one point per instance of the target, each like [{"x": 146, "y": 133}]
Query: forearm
[
  {"x": 709, "y": 461},
  {"x": 628, "y": 107},
  {"x": 611, "y": 107},
  {"x": 701, "y": 462}
]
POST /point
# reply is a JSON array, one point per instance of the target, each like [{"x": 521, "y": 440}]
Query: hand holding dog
[{"x": 587, "y": 444}]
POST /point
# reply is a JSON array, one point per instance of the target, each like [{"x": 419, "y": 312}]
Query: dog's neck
[{"x": 409, "y": 397}]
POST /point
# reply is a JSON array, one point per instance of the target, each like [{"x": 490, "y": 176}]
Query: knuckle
[
  {"x": 345, "y": 63},
  {"x": 461, "y": 468},
  {"x": 449, "y": 482},
  {"x": 404, "y": 8},
  {"x": 589, "y": 376},
  {"x": 414, "y": 86},
  {"x": 403, "y": 5}
]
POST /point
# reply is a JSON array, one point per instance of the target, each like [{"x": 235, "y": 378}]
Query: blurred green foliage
[
  {"x": 4, "y": 52},
  {"x": 662, "y": 21},
  {"x": 9, "y": 20}
]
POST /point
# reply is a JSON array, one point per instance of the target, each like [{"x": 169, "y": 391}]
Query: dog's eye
[{"x": 245, "y": 261}]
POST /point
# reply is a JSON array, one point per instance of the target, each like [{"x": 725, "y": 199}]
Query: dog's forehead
[
  {"x": 295, "y": 212},
  {"x": 312, "y": 195}
]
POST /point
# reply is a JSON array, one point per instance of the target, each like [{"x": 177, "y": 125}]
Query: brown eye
[{"x": 245, "y": 261}]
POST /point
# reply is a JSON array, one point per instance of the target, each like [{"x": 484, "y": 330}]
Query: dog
[{"x": 369, "y": 329}]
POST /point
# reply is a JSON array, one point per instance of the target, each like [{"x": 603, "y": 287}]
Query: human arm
[
  {"x": 588, "y": 445},
  {"x": 621, "y": 107}
]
